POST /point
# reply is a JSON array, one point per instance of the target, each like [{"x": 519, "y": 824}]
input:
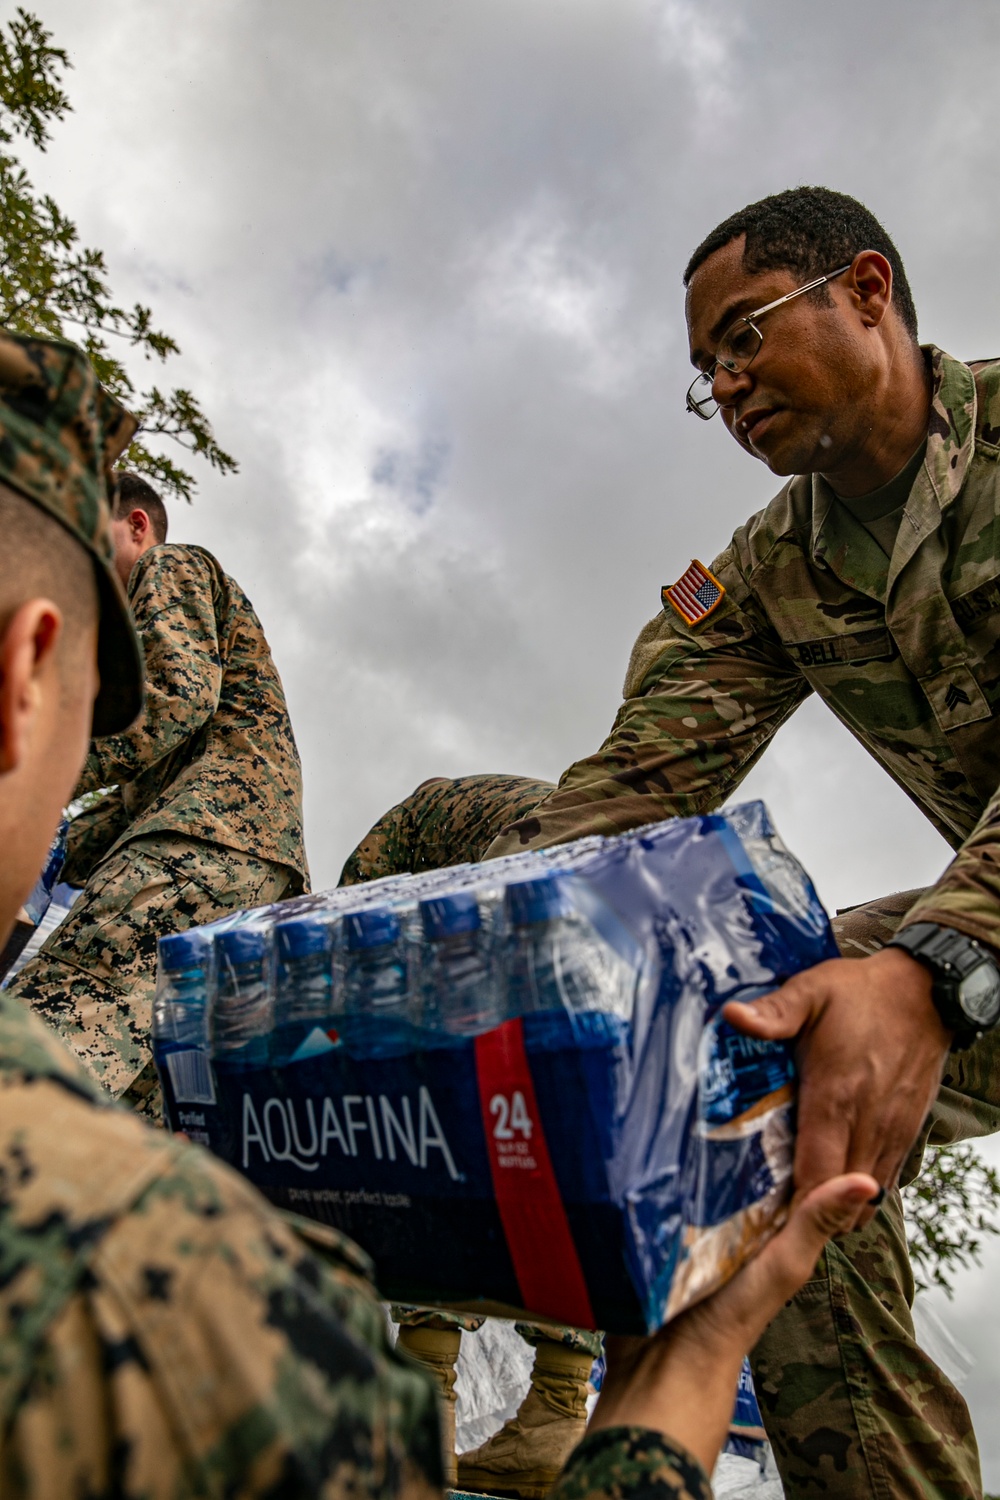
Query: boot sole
[{"x": 482, "y": 1482}]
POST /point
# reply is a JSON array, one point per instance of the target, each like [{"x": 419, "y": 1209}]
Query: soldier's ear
[
  {"x": 869, "y": 283},
  {"x": 28, "y": 668}
]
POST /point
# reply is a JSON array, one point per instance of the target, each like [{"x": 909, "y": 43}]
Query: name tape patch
[{"x": 695, "y": 594}]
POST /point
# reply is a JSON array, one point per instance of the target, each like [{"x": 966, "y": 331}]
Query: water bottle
[
  {"x": 460, "y": 994},
  {"x": 38, "y": 902},
  {"x": 555, "y": 958},
  {"x": 244, "y": 1009},
  {"x": 304, "y": 989},
  {"x": 181, "y": 1015},
  {"x": 376, "y": 981}
]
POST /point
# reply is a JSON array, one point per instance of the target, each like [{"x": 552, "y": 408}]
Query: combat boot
[
  {"x": 526, "y": 1456},
  {"x": 437, "y": 1349}
]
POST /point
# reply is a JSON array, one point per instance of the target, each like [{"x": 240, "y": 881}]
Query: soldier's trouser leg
[
  {"x": 530, "y": 1450},
  {"x": 433, "y": 1337},
  {"x": 852, "y": 1405},
  {"x": 93, "y": 980},
  {"x": 444, "y": 822}
]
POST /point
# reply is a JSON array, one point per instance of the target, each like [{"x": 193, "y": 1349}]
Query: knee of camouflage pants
[
  {"x": 851, "y": 1404},
  {"x": 93, "y": 979},
  {"x": 444, "y": 822}
]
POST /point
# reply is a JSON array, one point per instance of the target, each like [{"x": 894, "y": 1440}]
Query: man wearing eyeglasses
[{"x": 872, "y": 579}]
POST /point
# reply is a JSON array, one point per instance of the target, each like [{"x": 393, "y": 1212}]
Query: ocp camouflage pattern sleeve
[
  {"x": 701, "y": 704},
  {"x": 163, "y": 1332},
  {"x": 631, "y": 1463},
  {"x": 213, "y": 755}
]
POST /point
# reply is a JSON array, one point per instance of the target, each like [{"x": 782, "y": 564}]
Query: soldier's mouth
[{"x": 753, "y": 424}]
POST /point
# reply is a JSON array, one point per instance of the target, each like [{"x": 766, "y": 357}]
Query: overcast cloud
[{"x": 423, "y": 258}]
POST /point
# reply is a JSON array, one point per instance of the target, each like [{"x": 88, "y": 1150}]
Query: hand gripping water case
[{"x": 511, "y": 1082}]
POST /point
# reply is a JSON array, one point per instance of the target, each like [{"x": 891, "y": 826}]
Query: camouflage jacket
[
  {"x": 164, "y": 1332},
  {"x": 213, "y": 755},
  {"x": 906, "y": 652}
]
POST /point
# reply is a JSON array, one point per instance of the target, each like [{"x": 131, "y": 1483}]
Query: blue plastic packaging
[{"x": 525, "y": 1097}]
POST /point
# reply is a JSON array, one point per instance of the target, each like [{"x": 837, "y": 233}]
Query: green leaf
[
  {"x": 950, "y": 1207},
  {"x": 53, "y": 286}
]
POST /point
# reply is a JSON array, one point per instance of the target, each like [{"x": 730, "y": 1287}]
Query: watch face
[{"x": 979, "y": 994}]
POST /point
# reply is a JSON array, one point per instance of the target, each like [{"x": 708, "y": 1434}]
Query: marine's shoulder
[{"x": 173, "y": 564}]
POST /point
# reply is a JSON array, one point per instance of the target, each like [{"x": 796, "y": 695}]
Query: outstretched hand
[
  {"x": 682, "y": 1381},
  {"x": 870, "y": 1051}
]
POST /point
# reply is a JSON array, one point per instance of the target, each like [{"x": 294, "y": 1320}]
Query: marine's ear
[{"x": 28, "y": 648}]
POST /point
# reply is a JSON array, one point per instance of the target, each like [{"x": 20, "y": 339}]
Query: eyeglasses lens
[
  {"x": 700, "y": 399},
  {"x": 737, "y": 350}
]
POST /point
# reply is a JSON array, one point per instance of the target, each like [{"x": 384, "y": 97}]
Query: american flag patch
[{"x": 694, "y": 595}]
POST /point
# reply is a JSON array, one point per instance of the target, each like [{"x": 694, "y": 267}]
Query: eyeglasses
[{"x": 740, "y": 346}]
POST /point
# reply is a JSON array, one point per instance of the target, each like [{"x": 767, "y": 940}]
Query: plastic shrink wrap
[{"x": 510, "y": 1082}]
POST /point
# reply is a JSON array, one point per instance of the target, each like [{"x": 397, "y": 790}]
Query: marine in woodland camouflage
[
  {"x": 163, "y": 1332},
  {"x": 205, "y": 817},
  {"x": 906, "y": 652},
  {"x": 213, "y": 756}
]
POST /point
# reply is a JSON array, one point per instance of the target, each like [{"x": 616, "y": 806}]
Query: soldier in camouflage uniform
[
  {"x": 205, "y": 811},
  {"x": 872, "y": 579},
  {"x": 163, "y": 1331}
]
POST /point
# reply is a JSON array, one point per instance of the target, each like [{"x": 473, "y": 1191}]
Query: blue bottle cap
[
  {"x": 536, "y": 900},
  {"x": 242, "y": 945},
  {"x": 183, "y": 950},
  {"x": 445, "y": 916},
  {"x": 300, "y": 936},
  {"x": 371, "y": 929}
]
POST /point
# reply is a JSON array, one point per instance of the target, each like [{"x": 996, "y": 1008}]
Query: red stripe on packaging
[{"x": 534, "y": 1220}]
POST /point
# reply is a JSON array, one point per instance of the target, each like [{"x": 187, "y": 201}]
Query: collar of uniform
[
  {"x": 951, "y": 435},
  {"x": 841, "y": 542},
  {"x": 951, "y": 432}
]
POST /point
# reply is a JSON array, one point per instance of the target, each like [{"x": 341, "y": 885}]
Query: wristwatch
[{"x": 966, "y": 978}]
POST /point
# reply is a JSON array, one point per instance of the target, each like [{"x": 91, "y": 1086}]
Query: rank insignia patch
[{"x": 694, "y": 595}]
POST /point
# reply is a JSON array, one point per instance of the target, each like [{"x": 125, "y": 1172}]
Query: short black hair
[
  {"x": 809, "y": 230},
  {"x": 136, "y": 493}
]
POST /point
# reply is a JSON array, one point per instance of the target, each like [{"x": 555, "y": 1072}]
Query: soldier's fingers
[
  {"x": 782, "y": 1013},
  {"x": 823, "y": 1139}
]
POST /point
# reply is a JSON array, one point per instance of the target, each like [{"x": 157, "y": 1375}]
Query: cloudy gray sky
[{"x": 423, "y": 258}]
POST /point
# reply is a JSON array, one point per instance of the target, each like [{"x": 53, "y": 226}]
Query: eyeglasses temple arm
[{"x": 810, "y": 286}]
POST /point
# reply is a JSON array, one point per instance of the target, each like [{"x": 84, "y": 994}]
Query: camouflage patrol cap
[{"x": 60, "y": 434}]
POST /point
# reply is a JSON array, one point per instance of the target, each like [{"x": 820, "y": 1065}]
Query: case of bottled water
[{"x": 511, "y": 1082}]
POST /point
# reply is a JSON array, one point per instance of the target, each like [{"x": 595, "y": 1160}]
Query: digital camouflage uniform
[
  {"x": 906, "y": 652},
  {"x": 443, "y": 822},
  {"x": 205, "y": 816}
]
